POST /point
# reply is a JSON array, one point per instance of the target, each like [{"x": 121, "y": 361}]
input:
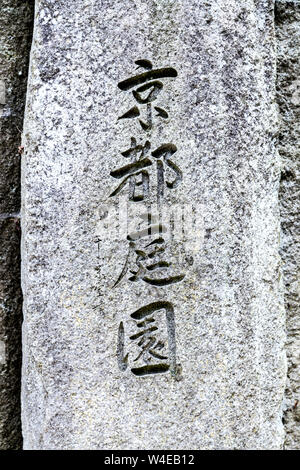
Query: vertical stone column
[
  {"x": 288, "y": 88},
  {"x": 15, "y": 38},
  {"x": 163, "y": 334}
]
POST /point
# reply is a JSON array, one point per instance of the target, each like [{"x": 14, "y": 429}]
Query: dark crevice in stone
[{"x": 16, "y": 26}]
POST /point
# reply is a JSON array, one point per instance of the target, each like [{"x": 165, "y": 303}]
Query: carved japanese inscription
[{"x": 146, "y": 337}]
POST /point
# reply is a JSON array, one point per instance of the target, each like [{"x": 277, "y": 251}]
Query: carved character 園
[{"x": 153, "y": 354}]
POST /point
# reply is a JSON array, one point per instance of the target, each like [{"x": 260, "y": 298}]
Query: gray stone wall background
[
  {"x": 16, "y": 18},
  {"x": 287, "y": 18}
]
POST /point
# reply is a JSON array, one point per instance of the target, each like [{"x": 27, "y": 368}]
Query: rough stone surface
[
  {"x": 288, "y": 65},
  {"x": 15, "y": 38},
  {"x": 226, "y": 389}
]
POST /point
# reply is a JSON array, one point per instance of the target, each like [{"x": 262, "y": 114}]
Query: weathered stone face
[
  {"x": 211, "y": 373},
  {"x": 288, "y": 66},
  {"x": 15, "y": 39}
]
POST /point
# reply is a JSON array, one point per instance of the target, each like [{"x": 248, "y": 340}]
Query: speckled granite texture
[{"x": 210, "y": 372}]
